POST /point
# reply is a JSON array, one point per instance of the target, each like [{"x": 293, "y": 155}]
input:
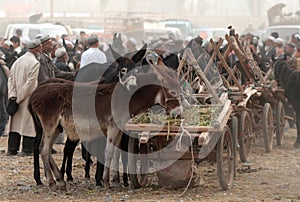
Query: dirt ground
[{"x": 268, "y": 177}]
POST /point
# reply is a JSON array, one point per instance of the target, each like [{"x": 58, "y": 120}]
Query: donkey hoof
[
  {"x": 116, "y": 185},
  {"x": 62, "y": 185},
  {"x": 297, "y": 145},
  {"x": 53, "y": 187},
  {"x": 106, "y": 185}
]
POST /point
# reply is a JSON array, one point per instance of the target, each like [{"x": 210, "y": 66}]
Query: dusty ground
[{"x": 272, "y": 177}]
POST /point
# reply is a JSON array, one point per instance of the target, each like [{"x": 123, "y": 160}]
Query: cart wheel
[
  {"x": 135, "y": 165},
  {"x": 245, "y": 136},
  {"x": 234, "y": 131},
  {"x": 280, "y": 123},
  {"x": 225, "y": 159},
  {"x": 268, "y": 127}
]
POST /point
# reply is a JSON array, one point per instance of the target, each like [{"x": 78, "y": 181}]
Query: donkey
[
  {"x": 105, "y": 73},
  {"x": 73, "y": 55},
  {"x": 290, "y": 81},
  {"x": 117, "y": 45},
  {"x": 81, "y": 123}
]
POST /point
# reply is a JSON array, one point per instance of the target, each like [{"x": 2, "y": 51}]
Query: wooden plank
[
  {"x": 200, "y": 73},
  {"x": 233, "y": 72},
  {"x": 249, "y": 92},
  {"x": 252, "y": 62},
  {"x": 164, "y": 128},
  {"x": 227, "y": 68},
  {"x": 236, "y": 47},
  {"x": 213, "y": 57},
  {"x": 224, "y": 115}
]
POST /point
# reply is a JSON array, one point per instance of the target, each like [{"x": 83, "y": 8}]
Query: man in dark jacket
[
  {"x": 61, "y": 59},
  {"x": 48, "y": 68}
]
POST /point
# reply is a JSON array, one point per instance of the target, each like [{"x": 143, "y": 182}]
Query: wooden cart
[
  {"x": 259, "y": 103},
  {"x": 216, "y": 141}
]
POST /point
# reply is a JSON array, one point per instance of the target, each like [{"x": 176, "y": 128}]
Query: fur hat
[
  {"x": 25, "y": 40},
  {"x": 34, "y": 43},
  {"x": 290, "y": 44},
  {"x": 60, "y": 52},
  {"x": 45, "y": 38}
]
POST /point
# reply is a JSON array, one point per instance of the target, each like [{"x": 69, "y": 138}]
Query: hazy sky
[{"x": 200, "y": 12}]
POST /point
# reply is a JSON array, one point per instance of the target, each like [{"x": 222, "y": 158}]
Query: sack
[
  {"x": 12, "y": 107},
  {"x": 177, "y": 175}
]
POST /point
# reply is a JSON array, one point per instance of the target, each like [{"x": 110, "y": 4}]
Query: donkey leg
[
  {"x": 113, "y": 140},
  {"x": 115, "y": 168},
  {"x": 100, "y": 161},
  {"x": 59, "y": 178},
  {"x": 297, "y": 143},
  {"x": 69, "y": 149},
  {"x": 99, "y": 173},
  {"x": 65, "y": 157},
  {"x": 124, "y": 156},
  {"x": 125, "y": 166},
  {"x": 108, "y": 157},
  {"x": 99, "y": 153},
  {"x": 45, "y": 154},
  {"x": 36, "y": 159}
]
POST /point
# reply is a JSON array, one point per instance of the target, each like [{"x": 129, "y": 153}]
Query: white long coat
[{"x": 22, "y": 81}]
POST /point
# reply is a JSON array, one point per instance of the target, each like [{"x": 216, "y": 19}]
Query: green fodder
[{"x": 196, "y": 115}]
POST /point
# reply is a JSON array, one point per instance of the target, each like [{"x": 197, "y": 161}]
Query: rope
[
  {"x": 169, "y": 125},
  {"x": 178, "y": 147}
]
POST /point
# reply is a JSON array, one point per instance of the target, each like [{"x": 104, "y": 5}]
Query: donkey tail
[{"x": 36, "y": 144}]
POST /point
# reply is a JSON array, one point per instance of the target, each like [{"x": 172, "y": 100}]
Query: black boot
[
  {"x": 27, "y": 148},
  {"x": 14, "y": 140}
]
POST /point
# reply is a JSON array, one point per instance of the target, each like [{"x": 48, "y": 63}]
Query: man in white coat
[{"x": 22, "y": 81}]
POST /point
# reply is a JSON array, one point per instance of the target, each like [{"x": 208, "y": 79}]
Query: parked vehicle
[
  {"x": 185, "y": 26},
  {"x": 211, "y": 33},
  {"x": 285, "y": 31},
  {"x": 32, "y": 30}
]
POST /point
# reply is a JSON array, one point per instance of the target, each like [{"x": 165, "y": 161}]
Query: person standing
[
  {"x": 4, "y": 72},
  {"x": 61, "y": 59},
  {"x": 93, "y": 54},
  {"x": 22, "y": 81},
  {"x": 48, "y": 68}
]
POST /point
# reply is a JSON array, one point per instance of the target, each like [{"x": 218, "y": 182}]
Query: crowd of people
[{"x": 27, "y": 63}]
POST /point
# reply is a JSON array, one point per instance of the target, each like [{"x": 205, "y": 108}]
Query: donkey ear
[
  {"x": 64, "y": 43},
  {"x": 115, "y": 36},
  {"x": 116, "y": 55},
  {"x": 75, "y": 45},
  {"x": 140, "y": 54}
]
